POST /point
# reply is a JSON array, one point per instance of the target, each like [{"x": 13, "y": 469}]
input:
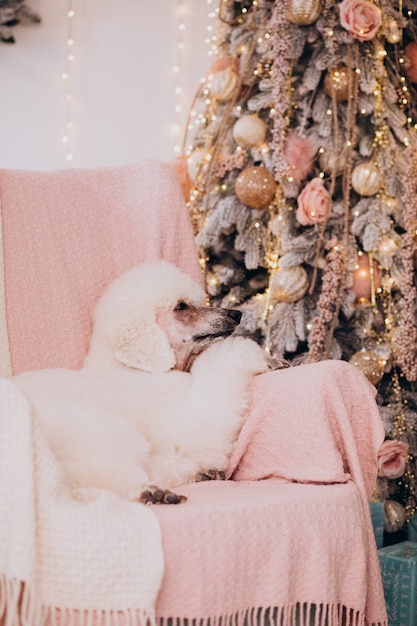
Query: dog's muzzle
[{"x": 230, "y": 318}]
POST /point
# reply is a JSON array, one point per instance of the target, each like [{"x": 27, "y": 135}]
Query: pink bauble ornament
[
  {"x": 223, "y": 63},
  {"x": 249, "y": 131},
  {"x": 255, "y": 186},
  {"x": 180, "y": 167},
  {"x": 410, "y": 52}
]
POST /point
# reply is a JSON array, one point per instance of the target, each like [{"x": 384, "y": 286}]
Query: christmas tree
[
  {"x": 301, "y": 178},
  {"x": 13, "y": 12}
]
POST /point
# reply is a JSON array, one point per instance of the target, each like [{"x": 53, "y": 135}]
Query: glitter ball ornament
[
  {"x": 224, "y": 84},
  {"x": 336, "y": 82},
  {"x": 288, "y": 284},
  {"x": 366, "y": 179},
  {"x": 394, "y": 516},
  {"x": 255, "y": 186},
  {"x": 249, "y": 131},
  {"x": 370, "y": 364},
  {"x": 303, "y": 12}
]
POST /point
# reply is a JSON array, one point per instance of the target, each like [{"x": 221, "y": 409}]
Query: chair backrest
[{"x": 66, "y": 235}]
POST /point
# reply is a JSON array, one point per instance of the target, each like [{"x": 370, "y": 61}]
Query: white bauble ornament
[
  {"x": 303, "y": 12},
  {"x": 288, "y": 284},
  {"x": 330, "y": 161},
  {"x": 394, "y": 516},
  {"x": 194, "y": 163},
  {"x": 224, "y": 84},
  {"x": 249, "y": 131},
  {"x": 366, "y": 179}
]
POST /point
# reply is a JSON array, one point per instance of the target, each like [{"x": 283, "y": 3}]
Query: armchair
[{"x": 287, "y": 540}]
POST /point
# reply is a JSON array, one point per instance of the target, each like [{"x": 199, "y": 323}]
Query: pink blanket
[
  {"x": 311, "y": 438},
  {"x": 309, "y": 542},
  {"x": 66, "y": 234}
]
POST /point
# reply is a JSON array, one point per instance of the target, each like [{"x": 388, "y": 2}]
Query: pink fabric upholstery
[
  {"x": 305, "y": 534},
  {"x": 67, "y": 234},
  {"x": 269, "y": 540}
]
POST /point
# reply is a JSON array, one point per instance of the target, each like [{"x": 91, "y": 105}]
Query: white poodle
[{"x": 162, "y": 394}]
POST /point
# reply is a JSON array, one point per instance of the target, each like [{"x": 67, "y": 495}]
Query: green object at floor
[
  {"x": 377, "y": 517},
  {"x": 399, "y": 577}
]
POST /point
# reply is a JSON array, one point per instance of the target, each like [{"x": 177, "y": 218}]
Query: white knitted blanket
[{"x": 67, "y": 557}]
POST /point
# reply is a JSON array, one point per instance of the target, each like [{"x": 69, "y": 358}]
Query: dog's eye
[{"x": 181, "y": 306}]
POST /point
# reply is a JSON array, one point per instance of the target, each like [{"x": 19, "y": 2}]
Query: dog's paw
[
  {"x": 210, "y": 475},
  {"x": 236, "y": 354},
  {"x": 155, "y": 495},
  {"x": 274, "y": 363}
]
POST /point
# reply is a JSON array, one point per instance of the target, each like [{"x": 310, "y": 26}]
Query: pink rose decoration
[
  {"x": 314, "y": 203},
  {"x": 361, "y": 18},
  {"x": 392, "y": 456}
]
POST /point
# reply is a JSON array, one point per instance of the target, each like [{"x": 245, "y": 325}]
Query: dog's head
[{"x": 154, "y": 318}]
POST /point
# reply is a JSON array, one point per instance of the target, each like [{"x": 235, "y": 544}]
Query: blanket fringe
[
  {"x": 19, "y": 606},
  {"x": 298, "y": 614}
]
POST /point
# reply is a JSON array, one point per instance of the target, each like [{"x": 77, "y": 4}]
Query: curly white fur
[{"x": 130, "y": 417}]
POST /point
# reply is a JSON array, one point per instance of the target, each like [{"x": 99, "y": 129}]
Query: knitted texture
[
  {"x": 294, "y": 525},
  {"x": 85, "y": 552},
  {"x": 67, "y": 234},
  {"x": 5, "y": 363}
]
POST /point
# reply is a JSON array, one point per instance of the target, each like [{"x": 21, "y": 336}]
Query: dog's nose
[{"x": 234, "y": 314}]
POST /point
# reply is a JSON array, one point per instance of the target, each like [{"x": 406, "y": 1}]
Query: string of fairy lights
[
  {"x": 67, "y": 137},
  {"x": 183, "y": 25},
  {"x": 183, "y": 14}
]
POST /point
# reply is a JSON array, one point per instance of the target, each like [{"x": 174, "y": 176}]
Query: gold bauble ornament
[
  {"x": 249, "y": 131},
  {"x": 394, "y": 516},
  {"x": 303, "y": 12},
  {"x": 366, "y": 179},
  {"x": 392, "y": 30},
  {"x": 288, "y": 284},
  {"x": 369, "y": 363},
  {"x": 255, "y": 186},
  {"x": 224, "y": 84},
  {"x": 336, "y": 82}
]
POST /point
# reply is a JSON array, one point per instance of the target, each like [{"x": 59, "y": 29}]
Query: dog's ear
[{"x": 143, "y": 345}]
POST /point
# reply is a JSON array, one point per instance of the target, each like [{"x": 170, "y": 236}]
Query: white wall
[{"x": 121, "y": 82}]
